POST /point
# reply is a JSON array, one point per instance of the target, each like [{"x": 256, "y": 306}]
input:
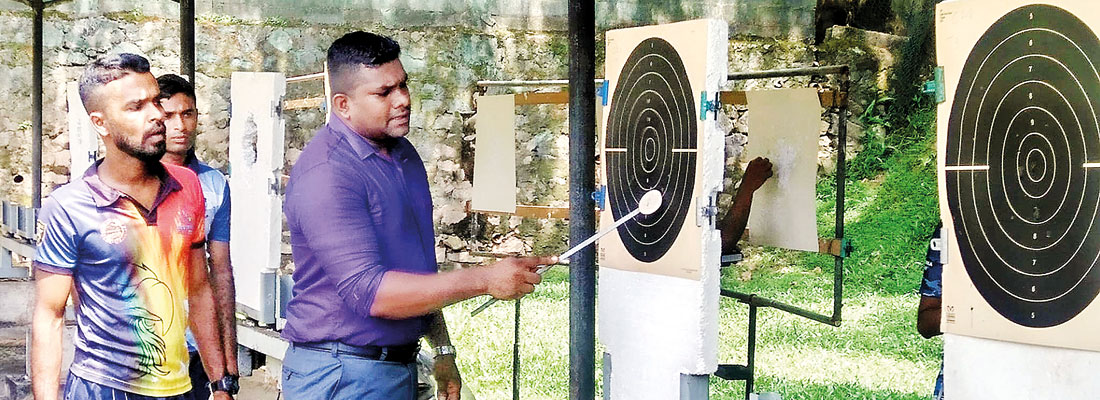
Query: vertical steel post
[
  {"x": 582, "y": 214},
  {"x": 841, "y": 144},
  {"x": 39, "y": 7},
  {"x": 751, "y": 362},
  {"x": 187, "y": 39},
  {"x": 515, "y": 355}
]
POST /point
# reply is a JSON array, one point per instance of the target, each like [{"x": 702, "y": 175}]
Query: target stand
[
  {"x": 659, "y": 277},
  {"x": 1019, "y": 182}
]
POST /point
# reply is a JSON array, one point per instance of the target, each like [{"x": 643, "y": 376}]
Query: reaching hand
[
  {"x": 758, "y": 172},
  {"x": 512, "y": 278},
  {"x": 222, "y": 396},
  {"x": 448, "y": 382}
]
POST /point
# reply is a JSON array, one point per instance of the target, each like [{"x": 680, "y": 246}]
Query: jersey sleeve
[
  {"x": 932, "y": 282},
  {"x": 56, "y": 250},
  {"x": 219, "y": 226}
]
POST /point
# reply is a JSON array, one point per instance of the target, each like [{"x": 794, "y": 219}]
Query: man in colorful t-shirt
[
  {"x": 128, "y": 236},
  {"x": 931, "y": 292},
  {"x": 177, "y": 98}
]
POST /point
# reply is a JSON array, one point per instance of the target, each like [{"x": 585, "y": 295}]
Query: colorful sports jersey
[{"x": 129, "y": 266}]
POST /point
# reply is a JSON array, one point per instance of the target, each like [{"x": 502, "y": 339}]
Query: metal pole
[
  {"x": 752, "y": 299},
  {"x": 187, "y": 39},
  {"x": 515, "y": 356},
  {"x": 780, "y": 73},
  {"x": 751, "y": 364},
  {"x": 529, "y": 83},
  {"x": 841, "y": 144},
  {"x": 36, "y": 107},
  {"x": 582, "y": 214}
]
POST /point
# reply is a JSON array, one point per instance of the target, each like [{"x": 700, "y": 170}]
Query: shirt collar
[
  {"x": 105, "y": 195},
  {"x": 360, "y": 145}
]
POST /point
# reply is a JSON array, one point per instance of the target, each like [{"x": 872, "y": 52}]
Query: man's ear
[
  {"x": 341, "y": 105},
  {"x": 99, "y": 123}
]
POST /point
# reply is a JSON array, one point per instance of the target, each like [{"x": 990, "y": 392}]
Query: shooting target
[
  {"x": 654, "y": 139},
  {"x": 1020, "y": 176},
  {"x": 1023, "y": 142},
  {"x": 650, "y": 145}
]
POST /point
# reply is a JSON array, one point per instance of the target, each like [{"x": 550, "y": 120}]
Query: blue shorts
[
  {"x": 77, "y": 388},
  {"x": 315, "y": 374}
]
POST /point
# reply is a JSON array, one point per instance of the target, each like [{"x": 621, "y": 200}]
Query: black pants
[{"x": 199, "y": 390}]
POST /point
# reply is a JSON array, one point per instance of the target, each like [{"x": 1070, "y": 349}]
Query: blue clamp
[
  {"x": 935, "y": 86},
  {"x": 599, "y": 196},
  {"x": 708, "y": 106},
  {"x": 602, "y": 92}
]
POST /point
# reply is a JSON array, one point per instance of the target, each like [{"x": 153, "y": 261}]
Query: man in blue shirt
[
  {"x": 931, "y": 292},
  {"x": 177, "y": 98},
  {"x": 360, "y": 217}
]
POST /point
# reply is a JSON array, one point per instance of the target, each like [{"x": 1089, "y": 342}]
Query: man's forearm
[
  {"x": 206, "y": 327},
  {"x": 46, "y": 334},
  {"x": 225, "y": 301},
  {"x": 405, "y": 295},
  {"x": 733, "y": 226},
  {"x": 437, "y": 331}
]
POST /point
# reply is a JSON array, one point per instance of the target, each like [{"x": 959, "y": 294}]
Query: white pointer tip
[{"x": 650, "y": 202}]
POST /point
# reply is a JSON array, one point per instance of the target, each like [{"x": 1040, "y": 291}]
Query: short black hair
[
  {"x": 355, "y": 50},
  {"x": 172, "y": 84},
  {"x": 105, "y": 70}
]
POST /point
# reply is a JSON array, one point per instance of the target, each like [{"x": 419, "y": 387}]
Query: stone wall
[{"x": 443, "y": 61}]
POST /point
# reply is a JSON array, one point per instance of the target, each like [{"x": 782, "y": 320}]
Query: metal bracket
[
  {"x": 845, "y": 247},
  {"x": 602, "y": 92},
  {"x": 600, "y": 196},
  {"x": 708, "y": 105},
  {"x": 708, "y": 213},
  {"x": 934, "y": 87}
]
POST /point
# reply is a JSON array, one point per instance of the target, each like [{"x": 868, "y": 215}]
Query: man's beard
[{"x": 139, "y": 151}]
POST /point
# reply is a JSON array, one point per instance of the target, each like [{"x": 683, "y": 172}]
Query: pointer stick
[{"x": 649, "y": 203}]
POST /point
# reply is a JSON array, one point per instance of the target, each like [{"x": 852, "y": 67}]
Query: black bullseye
[
  {"x": 650, "y": 145},
  {"x": 1023, "y": 183}
]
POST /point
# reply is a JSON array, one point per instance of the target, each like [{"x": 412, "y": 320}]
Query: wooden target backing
[
  {"x": 1019, "y": 176},
  {"x": 654, "y": 139}
]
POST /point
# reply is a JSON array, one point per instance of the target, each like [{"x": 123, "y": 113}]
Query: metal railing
[{"x": 17, "y": 237}]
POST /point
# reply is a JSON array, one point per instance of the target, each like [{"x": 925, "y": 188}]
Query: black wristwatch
[{"x": 227, "y": 383}]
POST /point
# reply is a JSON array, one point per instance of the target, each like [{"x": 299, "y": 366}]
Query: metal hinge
[
  {"x": 708, "y": 105},
  {"x": 602, "y": 92},
  {"x": 600, "y": 196},
  {"x": 708, "y": 210},
  {"x": 934, "y": 87}
]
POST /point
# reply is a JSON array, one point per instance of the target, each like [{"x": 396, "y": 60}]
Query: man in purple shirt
[{"x": 360, "y": 216}]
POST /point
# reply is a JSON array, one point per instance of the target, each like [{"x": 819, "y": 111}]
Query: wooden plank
[
  {"x": 561, "y": 97},
  {"x": 829, "y": 98},
  {"x": 309, "y": 102},
  {"x": 542, "y": 212},
  {"x": 824, "y": 245}
]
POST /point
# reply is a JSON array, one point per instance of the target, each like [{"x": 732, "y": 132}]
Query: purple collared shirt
[{"x": 353, "y": 215}]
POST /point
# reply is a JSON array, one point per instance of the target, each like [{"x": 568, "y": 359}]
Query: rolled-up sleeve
[{"x": 330, "y": 208}]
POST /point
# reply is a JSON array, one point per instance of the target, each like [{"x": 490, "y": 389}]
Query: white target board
[
  {"x": 1019, "y": 176},
  {"x": 658, "y": 281}
]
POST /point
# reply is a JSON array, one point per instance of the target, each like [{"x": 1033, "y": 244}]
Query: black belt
[{"x": 404, "y": 354}]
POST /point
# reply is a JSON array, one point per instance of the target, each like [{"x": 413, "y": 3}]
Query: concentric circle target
[
  {"x": 650, "y": 145},
  {"x": 1023, "y": 165}
]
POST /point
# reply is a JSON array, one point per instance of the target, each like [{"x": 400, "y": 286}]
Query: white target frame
[
  {"x": 961, "y": 26},
  {"x": 658, "y": 320}
]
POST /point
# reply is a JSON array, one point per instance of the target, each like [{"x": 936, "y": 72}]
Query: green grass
[{"x": 890, "y": 211}]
